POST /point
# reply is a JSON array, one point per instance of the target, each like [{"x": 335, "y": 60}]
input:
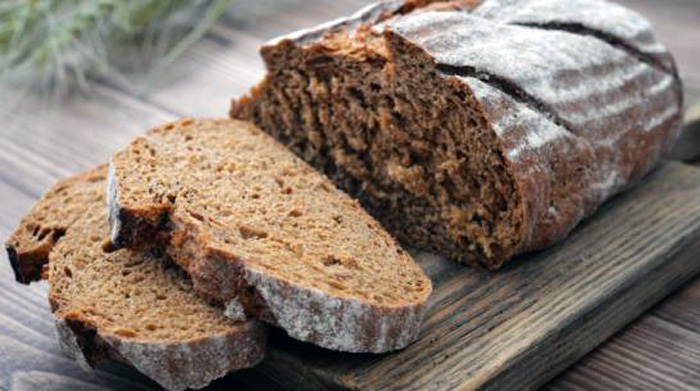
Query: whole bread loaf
[
  {"x": 476, "y": 129},
  {"x": 266, "y": 235},
  {"x": 137, "y": 308}
]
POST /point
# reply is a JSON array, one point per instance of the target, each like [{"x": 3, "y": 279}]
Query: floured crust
[
  {"x": 198, "y": 362},
  {"x": 625, "y": 88},
  {"x": 89, "y": 332},
  {"x": 175, "y": 366},
  {"x": 578, "y": 97},
  {"x": 348, "y": 325},
  {"x": 333, "y": 319}
]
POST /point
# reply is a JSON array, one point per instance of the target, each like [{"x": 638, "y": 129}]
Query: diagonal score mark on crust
[
  {"x": 508, "y": 87},
  {"x": 610, "y": 39}
]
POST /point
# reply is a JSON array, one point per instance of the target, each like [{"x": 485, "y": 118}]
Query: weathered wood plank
[
  {"x": 519, "y": 327},
  {"x": 226, "y": 63},
  {"x": 688, "y": 146},
  {"x": 683, "y": 309},
  {"x": 650, "y": 354},
  {"x": 44, "y": 141}
]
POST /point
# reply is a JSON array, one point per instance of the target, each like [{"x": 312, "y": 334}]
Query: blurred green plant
[{"x": 61, "y": 44}]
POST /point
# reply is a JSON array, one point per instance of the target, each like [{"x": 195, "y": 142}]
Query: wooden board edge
[{"x": 602, "y": 321}]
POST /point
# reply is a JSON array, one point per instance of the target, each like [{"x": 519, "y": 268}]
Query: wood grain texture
[
  {"x": 688, "y": 146},
  {"x": 650, "y": 354},
  {"x": 517, "y": 328},
  {"x": 41, "y": 141},
  {"x": 683, "y": 310}
]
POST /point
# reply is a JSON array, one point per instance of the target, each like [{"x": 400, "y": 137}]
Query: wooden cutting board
[{"x": 518, "y": 328}]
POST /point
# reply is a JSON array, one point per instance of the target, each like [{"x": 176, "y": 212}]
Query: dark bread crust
[
  {"x": 27, "y": 270},
  {"x": 580, "y": 97},
  {"x": 137, "y": 228},
  {"x": 29, "y": 245}
]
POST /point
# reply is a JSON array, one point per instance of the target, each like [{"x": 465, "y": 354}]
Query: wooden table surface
[{"x": 43, "y": 139}]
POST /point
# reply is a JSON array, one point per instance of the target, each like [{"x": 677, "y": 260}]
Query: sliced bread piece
[
  {"x": 60, "y": 207},
  {"x": 137, "y": 308},
  {"x": 478, "y": 129},
  {"x": 262, "y": 232}
]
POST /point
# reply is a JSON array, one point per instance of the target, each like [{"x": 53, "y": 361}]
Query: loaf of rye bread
[
  {"x": 137, "y": 308},
  {"x": 476, "y": 129},
  {"x": 266, "y": 235}
]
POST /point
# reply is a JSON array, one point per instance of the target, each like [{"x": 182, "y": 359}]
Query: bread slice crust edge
[{"x": 307, "y": 314}]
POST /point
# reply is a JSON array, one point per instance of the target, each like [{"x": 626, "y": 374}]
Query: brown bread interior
[
  {"x": 251, "y": 222},
  {"x": 413, "y": 146},
  {"x": 134, "y": 307}
]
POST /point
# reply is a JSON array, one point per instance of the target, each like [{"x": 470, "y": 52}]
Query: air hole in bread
[
  {"x": 108, "y": 246},
  {"x": 331, "y": 261},
  {"x": 44, "y": 233}
]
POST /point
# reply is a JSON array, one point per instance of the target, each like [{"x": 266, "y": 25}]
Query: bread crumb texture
[
  {"x": 249, "y": 220},
  {"x": 475, "y": 129},
  {"x": 133, "y": 307}
]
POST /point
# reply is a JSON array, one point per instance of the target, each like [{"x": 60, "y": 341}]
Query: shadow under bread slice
[
  {"x": 262, "y": 232},
  {"x": 137, "y": 308}
]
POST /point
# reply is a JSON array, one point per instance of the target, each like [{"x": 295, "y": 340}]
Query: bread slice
[
  {"x": 29, "y": 245},
  {"x": 137, "y": 308},
  {"x": 478, "y": 129},
  {"x": 258, "y": 228}
]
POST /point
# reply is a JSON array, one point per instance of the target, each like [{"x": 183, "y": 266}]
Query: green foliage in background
[{"x": 60, "y": 44}]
